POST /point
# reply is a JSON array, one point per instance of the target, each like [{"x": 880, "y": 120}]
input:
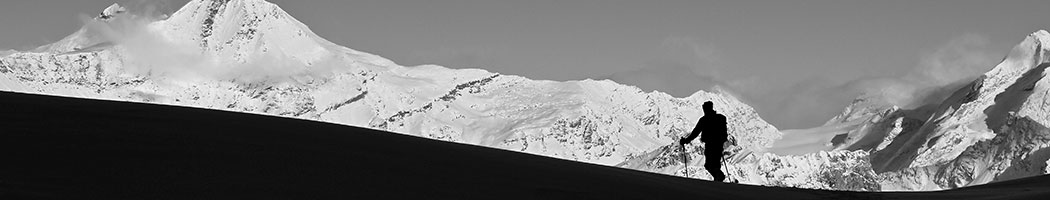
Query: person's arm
[{"x": 692, "y": 135}]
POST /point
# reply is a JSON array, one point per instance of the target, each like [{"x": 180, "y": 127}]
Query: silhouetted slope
[{"x": 58, "y": 147}]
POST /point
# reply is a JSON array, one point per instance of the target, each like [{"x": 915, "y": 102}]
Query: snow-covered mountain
[
  {"x": 251, "y": 56},
  {"x": 992, "y": 129}
]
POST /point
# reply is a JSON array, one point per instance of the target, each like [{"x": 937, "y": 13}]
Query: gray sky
[{"x": 775, "y": 54}]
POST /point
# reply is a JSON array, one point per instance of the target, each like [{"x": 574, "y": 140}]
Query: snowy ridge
[
  {"x": 986, "y": 130},
  {"x": 257, "y": 58},
  {"x": 992, "y": 129},
  {"x": 1027, "y": 56},
  {"x": 235, "y": 30}
]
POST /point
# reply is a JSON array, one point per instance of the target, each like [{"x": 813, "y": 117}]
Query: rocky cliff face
[{"x": 994, "y": 129}]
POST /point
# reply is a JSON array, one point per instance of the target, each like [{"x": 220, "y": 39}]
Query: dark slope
[{"x": 57, "y": 147}]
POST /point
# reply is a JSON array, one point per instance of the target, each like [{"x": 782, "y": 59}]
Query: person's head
[{"x": 709, "y": 107}]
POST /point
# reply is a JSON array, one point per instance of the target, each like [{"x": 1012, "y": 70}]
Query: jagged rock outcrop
[{"x": 992, "y": 129}]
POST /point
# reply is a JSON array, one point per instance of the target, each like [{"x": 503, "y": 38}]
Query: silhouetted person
[{"x": 713, "y": 126}]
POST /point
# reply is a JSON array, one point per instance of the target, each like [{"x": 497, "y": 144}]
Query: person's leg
[{"x": 713, "y": 163}]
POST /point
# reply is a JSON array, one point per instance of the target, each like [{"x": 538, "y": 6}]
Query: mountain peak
[
  {"x": 242, "y": 31},
  {"x": 111, "y": 12},
  {"x": 1038, "y": 39},
  {"x": 210, "y": 21},
  {"x": 1042, "y": 35}
]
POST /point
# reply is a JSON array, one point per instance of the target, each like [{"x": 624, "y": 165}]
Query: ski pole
[
  {"x": 726, "y": 165},
  {"x": 685, "y": 159}
]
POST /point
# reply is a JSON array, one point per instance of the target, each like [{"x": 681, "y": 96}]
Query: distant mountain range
[
  {"x": 149, "y": 151},
  {"x": 251, "y": 56}
]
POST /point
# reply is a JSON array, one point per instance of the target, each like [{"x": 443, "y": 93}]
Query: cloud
[
  {"x": 676, "y": 79},
  {"x": 938, "y": 73},
  {"x": 803, "y": 104},
  {"x": 962, "y": 57},
  {"x": 684, "y": 66},
  {"x": 702, "y": 57},
  {"x": 687, "y": 64},
  {"x": 146, "y": 50},
  {"x": 815, "y": 100}
]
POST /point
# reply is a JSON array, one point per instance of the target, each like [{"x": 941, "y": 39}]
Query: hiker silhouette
[{"x": 713, "y": 127}]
